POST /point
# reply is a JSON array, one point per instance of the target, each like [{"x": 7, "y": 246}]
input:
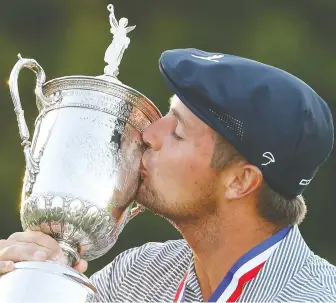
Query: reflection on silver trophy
[{"x": 82, "y": 171}]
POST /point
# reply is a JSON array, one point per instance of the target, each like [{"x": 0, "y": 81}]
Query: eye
[{"x": 176, "y": 136}]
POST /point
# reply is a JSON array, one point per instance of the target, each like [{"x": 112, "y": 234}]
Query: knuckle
[
  {"x": 51, "y": 243},
  {"x": 3, "y": 243},
  {"x": 43, "y": 239},
  {"x": 3, "y": 268},
  {"x": 13, "y": 249},
  {"x": 14, "y": 236},
  {"x": 37, "y": 238},
  {"x": 8, "y": 252},
  {"x": 6, "y": 266},
  {"x": 37, "y": 233},
  {"x": 14, "y": 253}
]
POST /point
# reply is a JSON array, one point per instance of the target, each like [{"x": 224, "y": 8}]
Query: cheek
[{"x": 181, "y": 165}]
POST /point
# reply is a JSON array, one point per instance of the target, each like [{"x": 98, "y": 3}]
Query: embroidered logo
[
  {"x": 268, "y": 156},
  {"x": 305, "y": 182},
  {"x": 213, "y": 58}
]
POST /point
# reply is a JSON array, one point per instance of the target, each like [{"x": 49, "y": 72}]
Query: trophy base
[{"x": 45, "y": 282}]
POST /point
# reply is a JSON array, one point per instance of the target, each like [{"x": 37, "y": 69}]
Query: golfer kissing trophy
[{"x": 82, "y": 171}]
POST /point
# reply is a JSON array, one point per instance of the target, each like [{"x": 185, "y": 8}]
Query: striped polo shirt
[{"x": 153, "y": 272}]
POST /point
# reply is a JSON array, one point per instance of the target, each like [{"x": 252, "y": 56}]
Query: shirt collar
[
  {"x": 288, "y": 258},
  {"x": 281, "y": 267}
]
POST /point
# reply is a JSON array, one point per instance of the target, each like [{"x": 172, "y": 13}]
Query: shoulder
[
  {"x": 323, "y": 274},
  {"x": 315, "y": 282},
  {"x": 133, "y": 261}
]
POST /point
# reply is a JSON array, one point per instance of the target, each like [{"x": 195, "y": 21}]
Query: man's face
[{"x": 178, "y": 181}]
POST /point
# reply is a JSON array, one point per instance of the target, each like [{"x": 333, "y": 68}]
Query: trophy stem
[{"x": 70, "y": 252}]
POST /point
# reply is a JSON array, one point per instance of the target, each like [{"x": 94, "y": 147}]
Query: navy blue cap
[{"x": 275, "y": 120}]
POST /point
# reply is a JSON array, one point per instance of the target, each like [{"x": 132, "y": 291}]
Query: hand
[{"x": 32, "y": 246}]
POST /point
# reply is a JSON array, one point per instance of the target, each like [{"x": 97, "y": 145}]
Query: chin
[
  {"x": 149, "y": 198},
  {"x": 145, "y": 195},
  {"x": 152, "y": 200}
]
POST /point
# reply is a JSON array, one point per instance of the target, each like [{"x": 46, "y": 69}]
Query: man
[{"x": 227, "y": 166}]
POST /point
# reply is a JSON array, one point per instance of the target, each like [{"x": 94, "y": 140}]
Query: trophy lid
[
  {"x": 107, "y": 82},
  {"x": 119, "y": 44}
]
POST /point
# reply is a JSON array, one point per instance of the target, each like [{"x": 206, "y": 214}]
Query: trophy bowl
[
  {"x": 83, "y": 163},
  {"x": 82, "y": 171}
]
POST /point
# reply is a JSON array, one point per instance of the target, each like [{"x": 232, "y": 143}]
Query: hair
[{"x": 271, "y": 206}]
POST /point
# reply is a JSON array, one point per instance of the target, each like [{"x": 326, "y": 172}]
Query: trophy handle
[
  {"x": 14, "y": 90},
  {"x": 32, "y": 164}
]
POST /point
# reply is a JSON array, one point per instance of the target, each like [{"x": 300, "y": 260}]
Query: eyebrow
[
  {"x": 177, "y": 114},
  {"x": 179, "y": 117}
]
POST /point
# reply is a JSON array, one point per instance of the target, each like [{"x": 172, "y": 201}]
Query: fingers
[
  {"x": 28, "y": 252},
  {"x": 5, "y": 243},
  {"x": 29, "y": 246},
  {"x": 32, "y": 246},
  {"x": 6, "y": 266},
  {"x": 38, "y": 238},
  {"x": 81, "y": 266}
]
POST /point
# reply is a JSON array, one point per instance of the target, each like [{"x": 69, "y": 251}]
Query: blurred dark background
[{"x": 70, "y": 37}]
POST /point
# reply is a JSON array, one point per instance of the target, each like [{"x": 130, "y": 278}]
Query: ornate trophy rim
[{"x": 113, "y": 88}]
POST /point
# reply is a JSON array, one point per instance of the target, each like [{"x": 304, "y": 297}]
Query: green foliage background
[{"x": 70, "y": 37}]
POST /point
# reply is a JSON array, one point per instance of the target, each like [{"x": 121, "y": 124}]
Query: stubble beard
[
  {"x": 175, "y": 212},
  {"x": 149, "y": 198}
]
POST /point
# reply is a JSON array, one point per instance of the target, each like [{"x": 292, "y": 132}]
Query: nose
[{"x": 153, "y": 134}]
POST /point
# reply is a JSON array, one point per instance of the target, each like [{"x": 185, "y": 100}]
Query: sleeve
[{"x": 108, "y": 280}]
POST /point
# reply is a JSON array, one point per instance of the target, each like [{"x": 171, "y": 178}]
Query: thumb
[
  {"x": 6, "y": 266},
  {"x": 81, "y": 266}
]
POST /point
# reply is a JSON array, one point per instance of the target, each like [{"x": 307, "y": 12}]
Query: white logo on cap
[
  {"x": 305, "y": 181},
  {"x": 268, "y": 156},
  {"x": 210, "y": 58}
]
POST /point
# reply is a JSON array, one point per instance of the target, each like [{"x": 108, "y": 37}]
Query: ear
[{"x": 242, "y": 180}]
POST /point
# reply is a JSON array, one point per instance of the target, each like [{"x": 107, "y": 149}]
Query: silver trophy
[{"x": 82, "y": 171}]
